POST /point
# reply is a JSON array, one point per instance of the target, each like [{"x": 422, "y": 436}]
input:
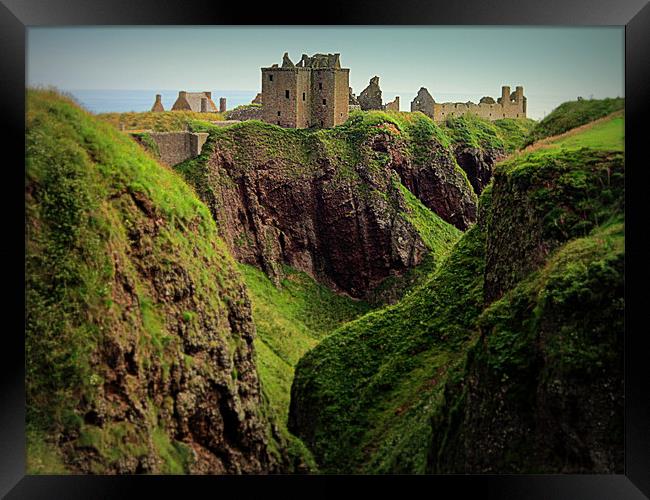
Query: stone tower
[
  {"x": 312, "y": 93},
  {"x": 157, "y": 105}
]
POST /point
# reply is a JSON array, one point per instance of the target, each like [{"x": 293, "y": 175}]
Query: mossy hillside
[
  {"x": 362, "y": 399},
  {"x": 241, "y": 107},
  {"x": 91, "y": 195},
  {"x": 606, "y": 134},
  {"x": 573, "y": 114},
  {"x": 542, "y": 199},
  {"x": 554, "y": 347},
  {"x": 439, "y": 237},
  {"x": 164, "y": 121},
  {"x": 291, "y": 319},
  {"x": 353, "y": 159},
  {"x": 505, "y": 135}
]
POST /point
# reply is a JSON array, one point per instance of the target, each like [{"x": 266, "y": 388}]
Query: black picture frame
[{"x": 16, "y": 15}]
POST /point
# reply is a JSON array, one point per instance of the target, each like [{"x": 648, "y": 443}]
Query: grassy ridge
[
  {"x": 507, "y": 134},
  {"x": 572, "y": 114},
  {"x": 372, "y": 383},
  {"x": 94, "y": 199},
  {"x": 164, "y": 121},
  {"x": 608, "y": 134},
  {"x": 363, "y": 400}
]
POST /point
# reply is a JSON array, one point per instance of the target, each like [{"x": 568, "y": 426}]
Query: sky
[{"x": 554, "y": 64}]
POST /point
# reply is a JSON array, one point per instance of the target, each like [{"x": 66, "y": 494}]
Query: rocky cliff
[
  {"x": 551, "y": 335},
  {"x": 508, "y": 359},
  {"x": 328, "y": 202},
  {"x": 139, "y": 335}
]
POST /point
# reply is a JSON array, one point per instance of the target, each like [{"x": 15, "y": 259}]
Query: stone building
[
  {"x": 313, "y": 92},
  {"x": 509, "y": 105},
  {"x": 370, "y": 97},
  {"x": 199, "y": 102},
  {"x": 392, "y": 105},
  {"x": 157, "y": 105}
]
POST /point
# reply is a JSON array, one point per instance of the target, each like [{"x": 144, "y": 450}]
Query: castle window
[
  {"x": 324, "y": 101},
  {"x": 320, "y": 85},
  {"x": 278, "y": 122},
  {"x": 321, "y": 123},
  {"x": 270, "y": 78},
  {"x": 303, "y": 96},
  {"x": 278, "y": 113},
  {"x": 286, "y": 94}
]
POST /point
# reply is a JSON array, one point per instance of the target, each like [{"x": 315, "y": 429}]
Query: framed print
[{"x": 388, "y": 245}]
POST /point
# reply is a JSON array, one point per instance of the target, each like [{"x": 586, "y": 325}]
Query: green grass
[
  {"x": 165, "y": 121},
  {"x": 606, "y": 135},
  {"x": 291, "y": 319},
  {"x": 572, "y": 114},
  {"x": 362, "y": 399},
  {"x": 96, "y": 204},
  {"x": 365, "y": 398}
]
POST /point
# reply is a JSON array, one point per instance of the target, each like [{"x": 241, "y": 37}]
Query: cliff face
[
  {"x": 328, "y": 202},
  {"x": 543, "y": 387},
  {"x": 139, "y": 335},
  {"x": 508, "y": 359}
]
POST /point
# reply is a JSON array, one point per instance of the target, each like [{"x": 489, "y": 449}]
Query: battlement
[
  {"x": 509, "y": 105},
  {"x": 314, "y": 92}
]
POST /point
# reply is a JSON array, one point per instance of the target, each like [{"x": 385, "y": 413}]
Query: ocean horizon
[{"x": 122, "y": 101}]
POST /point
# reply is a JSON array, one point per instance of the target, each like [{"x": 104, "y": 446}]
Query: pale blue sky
[{"x": 454, "y": 63}]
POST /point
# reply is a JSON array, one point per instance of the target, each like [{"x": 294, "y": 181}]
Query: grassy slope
[
  {"x": 290, "y": 320},
  {"x": 165, "y": 121},
  {"x": 605, "y": 134},
  {"x": 364, "y": 397},
  {"x": 368, "y": 386},
  {"x": 293, "y": 318},
  {"x": 80, "y": 174},
  {"x": 507, "y": 134},
  {"x": 572, "y": 114}
]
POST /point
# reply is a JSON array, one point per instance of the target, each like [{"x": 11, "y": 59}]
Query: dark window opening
[
  {"x": 320, "y": 85},
  {"x": 321, "y": 123},
  {"x": 278, "y": 113},
  {"x": 286, "y": 94},
  {"x": 324, "y": 101},
  {"x": 278, "y": 122},
  {"x": 303, "y": 96},
  {"x": 270, "y": 78}
]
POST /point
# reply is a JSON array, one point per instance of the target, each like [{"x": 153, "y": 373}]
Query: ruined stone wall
[
  {"x": 176, "y": 147},
  {"x": 313, "y": 93},
  {"x": 246, "y": 113},
  {"x": 509, "y": 105},
  {"x": 442, "y": 111},
  {"x": 322, "y": 105},
  {"x": 303, "y": 98},
  {"x": 278, "y": 108},
  {"x": 393, "y": 105},
  {"x": 341, "y": 95}
]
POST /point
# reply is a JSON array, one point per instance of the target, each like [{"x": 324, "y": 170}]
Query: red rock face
[
  {"x": 478, "y": 164},
  {"x": 346, "y": 229}
]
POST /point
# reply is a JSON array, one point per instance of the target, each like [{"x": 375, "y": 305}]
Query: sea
[{"x": 121, "y": 101}]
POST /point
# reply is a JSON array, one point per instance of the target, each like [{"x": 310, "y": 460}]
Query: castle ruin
[
  {"x": 313, "y": 92},
  {"x": 199, "y": 102},
  {"x": 509, "y": 105}
]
